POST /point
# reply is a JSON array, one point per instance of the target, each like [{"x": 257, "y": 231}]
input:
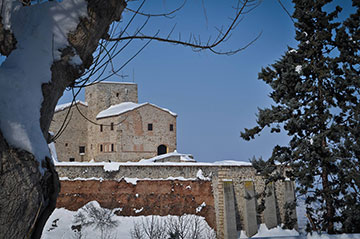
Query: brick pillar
[{"x": 222, "y": 174}]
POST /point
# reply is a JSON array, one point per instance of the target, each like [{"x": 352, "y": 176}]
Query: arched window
[{"x": 162, "y": 149}]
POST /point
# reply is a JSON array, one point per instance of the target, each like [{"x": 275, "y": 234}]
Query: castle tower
[{"x": 101, "y": 96}]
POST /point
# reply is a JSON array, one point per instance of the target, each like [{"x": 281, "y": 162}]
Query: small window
[
  {"x": 150, "y": 127},
  {"x": 112, "y": 126},
  {"x": 101, "y": 148},
  {"x": 71, "y": 159},
  {"x": 81, "y": 149},
  {"x": 117, "y": 94},
  {"x": 101, "y": 128},
  {"x": 112, "y": 147},
  {"x": 66, "y": 144},
  {"x": 171, "y": 127}
]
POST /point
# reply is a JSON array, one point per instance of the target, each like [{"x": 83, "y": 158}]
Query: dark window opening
[
  {"x": 81, "y": 149},
  {"x": 71, "y": 159},
  {"x": 66, "y": 144},
  {"x": 101, "y": 148},
  {"x": 112, "y": 126},
  {"x": 162, "y": 149},
  {"x": 117, "y": 94},
  {"x": 112, "y": 147},
  {"x": 150, "y": 127},
  {"x": 101, "y": 128},
  {"x": 171, "y": 127}
]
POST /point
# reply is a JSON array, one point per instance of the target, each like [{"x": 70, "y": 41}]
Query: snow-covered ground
[
  {"x": 263, "y": 231},
  {"x": 64, "y": 224}
]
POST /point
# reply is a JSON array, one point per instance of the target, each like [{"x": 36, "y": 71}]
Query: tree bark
[
  {"x": 7, "y": 40},
  {"x": 330, "y": 211},
  {"x": 25, "y": 195},
  {"x": 28, "y": 198}
]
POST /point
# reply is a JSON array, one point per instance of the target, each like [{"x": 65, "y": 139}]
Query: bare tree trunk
[
  {"x": 27, "y": 198},
  {"x": 330, "y": 211}
]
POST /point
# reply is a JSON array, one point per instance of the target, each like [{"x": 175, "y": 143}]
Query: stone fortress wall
[{"x": 166, "y": 187}]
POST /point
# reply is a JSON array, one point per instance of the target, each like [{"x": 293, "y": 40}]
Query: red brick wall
[{"x": 156, "y": 197}]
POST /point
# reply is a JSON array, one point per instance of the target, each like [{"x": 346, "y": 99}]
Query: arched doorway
[{"x": 162, "y": 149}]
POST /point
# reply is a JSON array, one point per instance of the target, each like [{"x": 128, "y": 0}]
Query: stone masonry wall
[
  {"x": 74, "y": 135},
  {"x": 100, "y": 97},
  {"x": 130, "y": 138},
  {"x": 218, "y": 174}
]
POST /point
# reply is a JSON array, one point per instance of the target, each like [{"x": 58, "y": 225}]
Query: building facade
[{"x": 112, "y": 126}]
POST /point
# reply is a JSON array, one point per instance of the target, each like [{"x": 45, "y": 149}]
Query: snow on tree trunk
[{"x": 49, "y": 45}]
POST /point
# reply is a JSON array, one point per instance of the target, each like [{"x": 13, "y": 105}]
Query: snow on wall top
[
  {"x": 66, "y": 105},
  {"x": 116, "y": 82},
  {"x": 124, "y": 107},
  {"x": 41, "y": 31},
  {"x": 114, "y": 166}
]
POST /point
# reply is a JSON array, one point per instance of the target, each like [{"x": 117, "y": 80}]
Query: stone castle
[{"x": 112, "y": 126}]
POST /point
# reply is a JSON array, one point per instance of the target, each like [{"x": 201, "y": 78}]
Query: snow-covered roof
[
  {"x": 66, "y": 105},
  {"x": 124, "y": 107},
  {"x": 182, "y": 157}
]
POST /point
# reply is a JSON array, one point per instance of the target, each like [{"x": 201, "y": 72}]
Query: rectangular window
[
  {"x": 150, "y": 127},
  {"x": 171, "y": 127},
  {"x": 101, "y": 148},
  {"x": 101, "y": 128},
  {"x": 71, "y": 159},
  {"x": 112, "y": 147},
  {"x": 112, "y": 126},
  {"x": 81, "y": 149}
]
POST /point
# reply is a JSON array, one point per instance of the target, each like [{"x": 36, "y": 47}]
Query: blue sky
[{"x": 214, "y": 96}]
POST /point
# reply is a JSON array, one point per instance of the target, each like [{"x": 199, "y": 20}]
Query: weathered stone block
[
  {"x": 251, "y": 224},
  {"x": 229, "y": 204}
]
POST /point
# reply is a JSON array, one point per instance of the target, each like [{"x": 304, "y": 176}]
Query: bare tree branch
[
  {"x": 196, "y": 45},
  {"x": 168, "y": 14},
  {"x": 287, "y": 12}
]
